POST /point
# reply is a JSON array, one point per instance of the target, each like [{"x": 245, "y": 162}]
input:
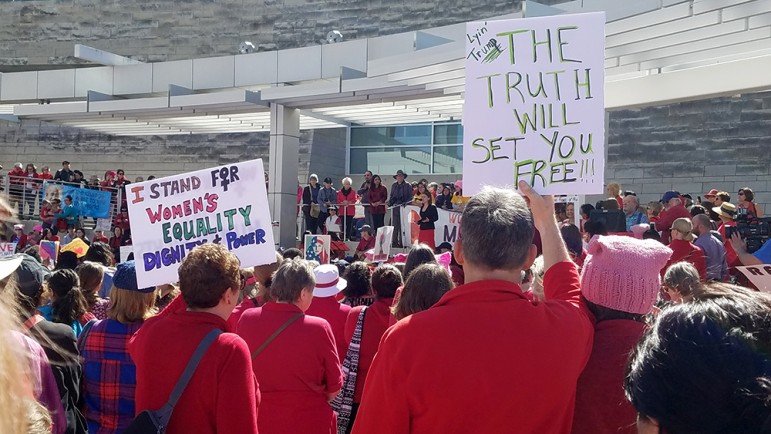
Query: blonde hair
[
  {"x": 38, "y": 419},
  {"x": 129, "y": 307},
  {"x": 614, "y": 188},
  {"x": 682, "y": 277},
  {"x": 685, "y": 227},
  {"x": 14, "y": 373},
  {"x": 655, "y": 207}
]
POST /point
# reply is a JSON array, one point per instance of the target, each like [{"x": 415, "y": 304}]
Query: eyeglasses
[{"x": 741, "y": 193}]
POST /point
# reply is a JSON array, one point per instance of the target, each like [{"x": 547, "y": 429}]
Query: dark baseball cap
[
  {"x": 31, "y": 275},
  {"x": 669, "y": 196}
]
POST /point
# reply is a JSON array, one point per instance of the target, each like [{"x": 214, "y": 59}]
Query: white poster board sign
[
  {"x": 534, "y": 104},
  {"x": 170, "y": 216},
  {"x": 447, "y": 227},
  {"x": 7, "y": 249},
  {"x": 317, "y": 248},
  {"x": 759, "y": 275},
  {"x": 125, "y": 253},
  {"x": 104, "y": 225},
  {"x": 383, "y": 239}
]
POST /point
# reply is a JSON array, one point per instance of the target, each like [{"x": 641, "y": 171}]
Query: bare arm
[{"x": 740, "y": 246}]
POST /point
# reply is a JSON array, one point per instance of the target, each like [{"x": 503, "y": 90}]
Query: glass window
[
  {"x": 386, "y": 161},
  {"x": 448, "y": 159},
  {"x": 448, "y": 134},
  {"x": 385, "y": 136}
]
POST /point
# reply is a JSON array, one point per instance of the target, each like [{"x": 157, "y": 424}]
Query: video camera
[{"x": 755, "y": 231}]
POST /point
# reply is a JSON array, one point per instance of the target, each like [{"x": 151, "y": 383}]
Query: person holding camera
[{"x": 727, "y": 213}]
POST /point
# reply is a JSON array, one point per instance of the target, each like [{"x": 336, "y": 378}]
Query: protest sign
[
  {"x": 87, "y": 202},
  {"x": 49, "y": 252},
  {"x": 758, "y": 275},
  {"x": 78, "y": 246},
  {"x": 104, "y": 225},
  {"x": 383, "y": 239},
  {"x": 447, "y": 226},
  {"x": 534, "y": 104},
  {"x": 7, "y": 249},
  {"x": 125, "y": 253},
  {"x": 317, "y": 248},
  {"x": 170, "y": 216}
]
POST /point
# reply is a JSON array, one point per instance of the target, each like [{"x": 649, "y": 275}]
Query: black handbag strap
[
  {"x": 275, "y": 334},
  {"x": 192, "y": 365}
]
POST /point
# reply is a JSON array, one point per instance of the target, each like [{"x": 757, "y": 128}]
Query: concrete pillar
[{"x": 283, "y": 167}]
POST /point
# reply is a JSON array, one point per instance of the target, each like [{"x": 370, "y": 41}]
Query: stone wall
[
  {"x": 44, "y": 32},
  {"x": 692, "y": 147}
]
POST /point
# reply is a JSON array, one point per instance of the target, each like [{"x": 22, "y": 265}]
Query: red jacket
[
  {"x": 349, "y": 210},
  {"x": 730, "y": 254},
  {"x": 379, "y": 194},
  {"x": 222, "y": 396},
  {"x": 336, "y": 314},
  {"x": 685, "y": 251},
  {"x": 600, "y": 403},
  {"x": 483, "y": 359},
  {"x": 17, "y": 176},
  {"x": 376, "y": 321},
  {"x": 296, "y": 371},
  {"x": 667, "y": 217}
]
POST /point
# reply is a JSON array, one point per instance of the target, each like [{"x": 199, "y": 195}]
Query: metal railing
[{"x": 25, "y": 195}]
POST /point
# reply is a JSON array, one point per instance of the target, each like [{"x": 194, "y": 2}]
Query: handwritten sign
[
  {"x": 758, "y": 275},
  {"x": 170, "y": 216},
  {"x": 447, "y": 227},
  {"x": 7, "y": 249},
  {"x": 317, "y": 248},
  {"x": 383, "y": 239},
  {"x": 104, "y": 225},
  {"x": 125, "y": 253},
  {"x": 87, "y": 202},
  {"x": 534, "y": 104}
]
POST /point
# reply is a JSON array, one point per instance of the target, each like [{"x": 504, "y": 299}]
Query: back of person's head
[
  {"x": 586, "y": 209},
  {"x": 292, "y": 253},
  {"x": 608, "y": 204},
  {"x": 91, "y": 275},
  {"x": 14, "y": 372},
  {"x": 100, "y": 253},
  {"x": 423, "y": 288},
  {"x": 655, "y": 207},
  {"x": 263, "y": 275},
  {"x": 419, "y": 254},
  {"x": 292, "y": 277},
  {"x": 697, "y": 210},
  {"x": 595, "y": 227},
  {"x": 386, "y": 279},
  {"x": 358, "y": 276},
  {"x": 724, "y": 196},
  {"x": 703, "y": 366},
  {"x": 622, "y": 273},
  {"x": 29, "y": 280},
  {"x": 536, "y": 286},
  {"x": 128, "y": 302},
  {"x": 572, "y": 237},
  {"x": 496, "y": 230},
  {"x": 67, "y": 261},
  {"x": 684, "y": 227},
  {"x": 682, "y": 278},
  {"x": 206, "y": 273},
  {"x": 69, "y": 304},
  {"x": 614, "y": 189}
]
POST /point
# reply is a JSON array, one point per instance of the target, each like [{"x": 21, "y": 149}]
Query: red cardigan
[
  {"x": 379, "y": 194},
  {"x": 600, "y": 403},
  {"x": 222, "y": 396},
  {"x": 349, "y": 210},
  {"x": 483, "y": 359}
]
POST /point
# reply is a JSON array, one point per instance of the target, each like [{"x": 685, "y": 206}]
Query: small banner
[{"x": 317, "y": 248}]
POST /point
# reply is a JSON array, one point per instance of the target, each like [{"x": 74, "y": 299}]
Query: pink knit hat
[{"x": 623, "y": 273}]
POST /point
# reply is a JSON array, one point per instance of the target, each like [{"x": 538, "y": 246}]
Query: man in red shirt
[
  {"x": 485, "y": 359},
  {"x": 325, "y": 304},
  {"x": 673, "y": 210},
  {"x": 222, "y": 395}
]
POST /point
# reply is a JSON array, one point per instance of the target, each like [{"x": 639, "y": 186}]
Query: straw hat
[{"x": 727, "y": 210}]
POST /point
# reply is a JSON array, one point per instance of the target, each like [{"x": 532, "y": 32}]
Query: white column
[{"x": 283, "y": 165}]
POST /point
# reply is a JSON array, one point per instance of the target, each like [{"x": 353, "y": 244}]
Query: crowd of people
[
  {"x": 326, "y": 210},
  {"x": 528, "y": 323}
]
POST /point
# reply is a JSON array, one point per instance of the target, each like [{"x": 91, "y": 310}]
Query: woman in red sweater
[
  {"x": 369, "y": 324},
  {"x": 346, "y": 197},
  {"x": 378, "y": 196},
  {"x": 298, "y": 371},
  {"x": 684, "y": 250}
]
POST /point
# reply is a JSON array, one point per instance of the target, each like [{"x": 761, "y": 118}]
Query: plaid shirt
[{"x": 109, "y": 375}]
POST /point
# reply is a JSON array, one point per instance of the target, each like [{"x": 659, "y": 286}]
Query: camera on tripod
[{"x": 754, "y": 231}]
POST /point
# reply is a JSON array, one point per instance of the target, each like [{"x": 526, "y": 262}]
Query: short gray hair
[
  {"x": 291, "y": 277},
  {"x": 497, "y": 229}
]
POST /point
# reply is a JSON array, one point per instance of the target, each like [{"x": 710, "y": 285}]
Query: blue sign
[{"x": 88, "y": 203}]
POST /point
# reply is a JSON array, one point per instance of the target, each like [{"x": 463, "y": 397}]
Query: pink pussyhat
[{"x": 623, "y": 273}]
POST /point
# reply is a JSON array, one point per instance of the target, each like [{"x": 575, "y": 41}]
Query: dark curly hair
[{"x": 359, "y": 277}]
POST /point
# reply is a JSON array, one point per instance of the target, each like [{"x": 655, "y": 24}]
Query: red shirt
[
  {"x": 246, "y": 304},
  {"x": 101, "y": 239},
  {"x": 349, "y": 210},
  {"x": 222, "y": 396},
  {"x": 667, "y": 217},
  {"x": 122, "y": 222},
  {"x": 376, "y": 321},
  {"x": 365, "y": 245},
  {"x": 336, "y": 315},
  {"x": 296, "y": 371},
  {"x": 45, "y": 176},
  {"x": 685, "y": 251},
  {"x": 17, "y": 176},
  {"x": 483, "y": 359},
  {"x": 600, "y": 403},
  {"x": 378, "y": 194}
]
